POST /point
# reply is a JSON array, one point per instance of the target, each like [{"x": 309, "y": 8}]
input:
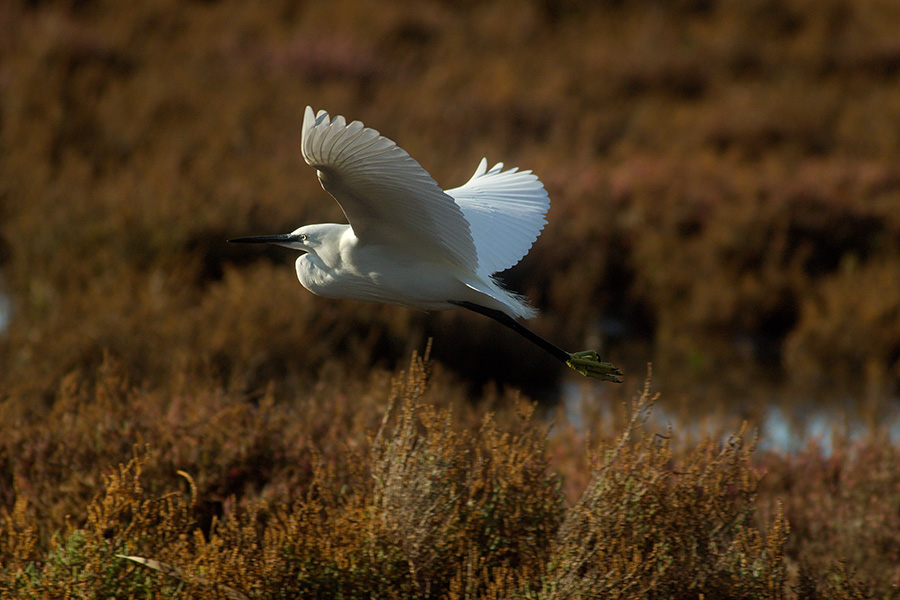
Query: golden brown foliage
[
  {"x": 430, "y": 510},
  {"x": 720, "y": 172},
  {"x": 725, "y": 200}
]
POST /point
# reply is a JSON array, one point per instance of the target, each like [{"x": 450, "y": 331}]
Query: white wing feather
[
  {"x": 505, "y": 211},
  {"x": 386, "y": 195}
]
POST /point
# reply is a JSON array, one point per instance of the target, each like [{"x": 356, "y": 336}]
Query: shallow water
[
  {"x": 782, "y": 427},
  {"x": 5, "y": 308}
]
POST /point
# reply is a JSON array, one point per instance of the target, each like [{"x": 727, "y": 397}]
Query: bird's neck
[
  {"x": 335, "y": 242},
  {"x": 319, "y": 268}
]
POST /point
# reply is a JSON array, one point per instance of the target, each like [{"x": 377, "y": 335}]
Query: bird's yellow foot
[{"x": 588, "y": 364}]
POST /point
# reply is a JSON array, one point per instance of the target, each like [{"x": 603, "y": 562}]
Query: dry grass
[
  {"x": 432, "y": 507},
  {"x": 425, "y": 509},
  {"x": 725, "y": 196},
  {"x": 758, "y": 139}
]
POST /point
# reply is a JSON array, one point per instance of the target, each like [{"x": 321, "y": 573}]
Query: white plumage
[
  {"x": 505, "y": 211},
  {"x": 411, "y": 243},
  {"x": 473, "y": 231},
  {"x": 385, "y": 194}
]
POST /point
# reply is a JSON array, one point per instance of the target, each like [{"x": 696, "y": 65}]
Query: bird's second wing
[
  {"x": 385, "y": 194},
  {"x": 505, "y": 211}
]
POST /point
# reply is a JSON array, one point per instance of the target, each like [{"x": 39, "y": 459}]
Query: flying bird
[{"x": 412, "y": 244}]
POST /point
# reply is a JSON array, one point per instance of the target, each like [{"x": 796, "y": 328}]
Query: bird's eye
[{"x": 302, "y": 237}]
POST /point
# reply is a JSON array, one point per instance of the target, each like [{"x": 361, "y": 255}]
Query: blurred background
[{"x": 724, "y": 176}]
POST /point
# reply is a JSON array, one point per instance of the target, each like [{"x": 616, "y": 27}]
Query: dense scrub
[
  {"x": 725, "y": 198},
  {"x": 723, "y": 175},
  {"x": 422, "y": 503}
]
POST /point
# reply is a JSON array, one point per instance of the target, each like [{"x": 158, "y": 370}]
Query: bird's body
[
  {"x": 413, "y": 244},
  {"x": 338, "y": 265}
]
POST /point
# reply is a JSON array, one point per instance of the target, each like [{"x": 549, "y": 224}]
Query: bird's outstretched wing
[
  {"x": 505, "y": 211},
  {"x": 385, "y": 194}
]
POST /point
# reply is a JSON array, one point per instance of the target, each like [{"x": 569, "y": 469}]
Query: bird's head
[{"x": 304, "y": 239}]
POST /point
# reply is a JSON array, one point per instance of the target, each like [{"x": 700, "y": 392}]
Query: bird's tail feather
[{"x": 511, "y": 303}]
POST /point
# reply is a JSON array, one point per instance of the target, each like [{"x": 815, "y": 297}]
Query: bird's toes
[{"x": 588, "y": 363}]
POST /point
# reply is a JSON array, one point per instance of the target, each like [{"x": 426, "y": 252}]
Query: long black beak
[{"x": 266, "y": 239}]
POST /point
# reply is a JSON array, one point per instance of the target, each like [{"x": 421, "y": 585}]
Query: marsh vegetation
[{"x": 725, "y": 198}]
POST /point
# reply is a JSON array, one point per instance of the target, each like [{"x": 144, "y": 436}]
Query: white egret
[{"x": 413, "y": 244}]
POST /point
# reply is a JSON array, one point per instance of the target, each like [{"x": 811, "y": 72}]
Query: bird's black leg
[
  {"x": 587, "y": 363},
  {"x": 505, "y": 319}
]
